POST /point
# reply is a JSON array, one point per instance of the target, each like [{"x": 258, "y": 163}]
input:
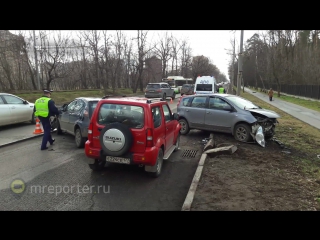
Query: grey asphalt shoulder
[{"x": 304, "y": 114}]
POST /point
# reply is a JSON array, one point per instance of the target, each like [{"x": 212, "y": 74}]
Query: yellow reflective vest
[{"x": 42, "y": 108}]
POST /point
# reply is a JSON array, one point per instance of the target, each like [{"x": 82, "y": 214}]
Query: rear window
[
  {"x": 155, "y": 86},
  {"x": 92, "y": 106},
  {"x": 186, "y": 85},
  {"x": 204, "y": 87},
  {"x": 132, "y": 116}
]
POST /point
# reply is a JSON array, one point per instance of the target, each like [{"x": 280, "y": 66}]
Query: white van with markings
[{"x": 205, "y": 85}]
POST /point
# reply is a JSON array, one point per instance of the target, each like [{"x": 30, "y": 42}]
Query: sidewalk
[{"x": 304, "y": 114}]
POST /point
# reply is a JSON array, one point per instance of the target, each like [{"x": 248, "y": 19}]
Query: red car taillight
[
  {"x": 159, "y": 90},
  {"x": 149, "y": 137},
  {"x": 90, "y": 132}
]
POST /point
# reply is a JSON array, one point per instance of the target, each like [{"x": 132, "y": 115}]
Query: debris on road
[
  {"x": 210, "y": 144},
  {"x": 221, "y": 150}
]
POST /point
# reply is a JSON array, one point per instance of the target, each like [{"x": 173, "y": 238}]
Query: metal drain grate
[{"x": 189, "y": 153}]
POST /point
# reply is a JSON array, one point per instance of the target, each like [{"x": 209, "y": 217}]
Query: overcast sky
[{"x": 213, "y": 44}]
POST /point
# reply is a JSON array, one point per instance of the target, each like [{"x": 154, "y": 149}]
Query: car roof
[
  {"x": 7, "y": 94},
  {"x": 89, "y": 98},
  {"x": 213, "y": 94},
  {"x": 134, "y": 99},
  {"x": 158, "y": 83}
]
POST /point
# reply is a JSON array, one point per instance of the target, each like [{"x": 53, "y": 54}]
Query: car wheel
[
  {"x": 98, "y": 165},
  {"x": 184, "y": 127},
  {"x": 80, "y": 141},
  {"x": 173, "y": 96},
  {"x": 33, "y": 120},
  {"x": 177, "y": 143},
  {"x": 164, "y": 97},
  {"x": 59, "y": 131},
  {"x": 158, "y": 164},
  {"x": 242, "y": 132},
  {"x": 116, "y": 139}
]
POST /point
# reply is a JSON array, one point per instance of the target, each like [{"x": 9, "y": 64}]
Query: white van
[{"x": 205, "y": 85}]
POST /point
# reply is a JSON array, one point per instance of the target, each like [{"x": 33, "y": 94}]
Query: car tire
[
  {"x": 121, "y": 142},
  {"x": 164, "y": 97},
  {"x": 173, "y": 96},
  {"x": 185, "y": 129},
  {"x": 177, "y": 143},
  {"x": 242, "y": 132},
  {"x": 98, "y": 165},
  {"x": 59, "y": 131},
  {"x": 79, "y": 140},
  {"x": 159, "y": 164},
  {"x": 33, "y": 120}
]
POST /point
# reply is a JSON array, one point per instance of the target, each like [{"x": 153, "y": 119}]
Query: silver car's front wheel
[{"x": 242, "y": 132}]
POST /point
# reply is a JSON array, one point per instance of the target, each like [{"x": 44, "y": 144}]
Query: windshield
[
  {"x": 242, "y": 103},
  {"x": 204, "y": 87},
  {"x": 171, "y": 83}
]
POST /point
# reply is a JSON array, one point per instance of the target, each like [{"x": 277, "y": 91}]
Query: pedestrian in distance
[
  {"x": 222, "y": 90},
  {"x": 270, "y": 94},
  {"x": 44, "y": 108}
]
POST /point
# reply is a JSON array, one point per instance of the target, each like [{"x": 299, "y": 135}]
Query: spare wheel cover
[{"x": 116, "y": 139}]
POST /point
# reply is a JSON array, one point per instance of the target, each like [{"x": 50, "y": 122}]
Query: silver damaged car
[{"x": 227, "y": 113}]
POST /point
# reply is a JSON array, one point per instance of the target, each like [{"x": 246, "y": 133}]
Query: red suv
[{"x": 132, "y": 130}]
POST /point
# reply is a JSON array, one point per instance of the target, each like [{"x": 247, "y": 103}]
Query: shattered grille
[{"x": 189, "y": 153}]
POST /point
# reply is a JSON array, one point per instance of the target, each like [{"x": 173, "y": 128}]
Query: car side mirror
[
  {"x": 25, "y": 102},
  {"x": 64, "y": 107},
  {"x": 228, "y": 108},
  {"x": 175, "y": 116}
]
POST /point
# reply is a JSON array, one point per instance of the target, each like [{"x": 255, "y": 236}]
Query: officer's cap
[{"x": 47, "y": 91}]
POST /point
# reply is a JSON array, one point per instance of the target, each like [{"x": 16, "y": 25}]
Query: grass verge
[
  {"x": 61, "y": 97},
  {"x": 302, "y": 138}
]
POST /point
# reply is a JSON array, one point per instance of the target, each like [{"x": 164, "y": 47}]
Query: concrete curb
[
  {"x": 22, "y": 140},
  {"x": 193, "y": 187}
]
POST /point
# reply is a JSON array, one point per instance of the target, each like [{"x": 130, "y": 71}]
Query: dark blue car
[{"x": 74, "y": 118}]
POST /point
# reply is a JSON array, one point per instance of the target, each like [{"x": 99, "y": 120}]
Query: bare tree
[
  {"x": 140, "y": 60},
  {"x": 162, "y": 49}
]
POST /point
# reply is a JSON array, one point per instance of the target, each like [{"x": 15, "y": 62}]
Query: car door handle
[
  {"x": 12, "y": 107},
  {"x": 187, "y": 110},
  {"x": 208, "y": 112}
]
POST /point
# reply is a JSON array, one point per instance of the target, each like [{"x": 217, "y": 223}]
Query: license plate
[
  {"x": 118, "y": 160},
  {"x": 151, "y": 91}
]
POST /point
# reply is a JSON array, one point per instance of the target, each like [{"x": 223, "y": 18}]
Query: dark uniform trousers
[{"x": 47, "y": 132}]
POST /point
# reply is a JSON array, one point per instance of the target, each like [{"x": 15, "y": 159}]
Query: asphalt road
[{"x": 61, "y": 179}]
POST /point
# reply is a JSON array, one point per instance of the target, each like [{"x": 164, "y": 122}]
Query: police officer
[
  {"x": 44, "y": 109},
  {"x": 222, "y": 90}
]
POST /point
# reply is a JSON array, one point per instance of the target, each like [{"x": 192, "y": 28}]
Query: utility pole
[
  {"x": 233, "y": 56},
  {"x": 240, "y": 65},
  {"x": 36, "y": 58}
]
